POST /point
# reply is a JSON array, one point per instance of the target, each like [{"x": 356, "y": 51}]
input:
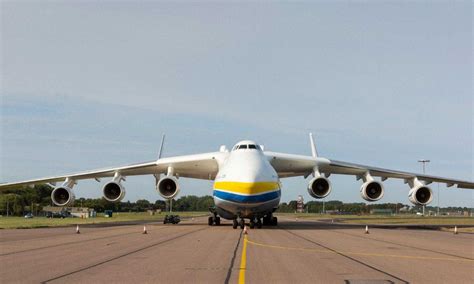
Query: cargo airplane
[{"x": 246, "y": 180}]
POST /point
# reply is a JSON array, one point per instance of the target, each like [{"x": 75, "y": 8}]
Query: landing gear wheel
[
  {"x": 235, "y": 224},
  {"x": 217, "y": 221},
  {"x": 266, "y": 220},
  {"x": 274, "y": 221},
  {"x": 252, "y": 224},
  {"x": 259, "y": 224},
  {"x": 210, "y": 221},
  {"x": 242, "y": 223}
]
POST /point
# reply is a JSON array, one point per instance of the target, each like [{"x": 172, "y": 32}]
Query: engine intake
[
  {"x": 63, "y": 196},
  {"x": 420, "y": 195},
  {"x": 372, "y": 190},
  {"x": 319, "y": 187},
  {"x": 113, "y": 191},
  {"x": 168, "y": 187}
]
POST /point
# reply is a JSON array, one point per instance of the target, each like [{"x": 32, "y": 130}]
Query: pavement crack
[{"x": 229, "y": 270}]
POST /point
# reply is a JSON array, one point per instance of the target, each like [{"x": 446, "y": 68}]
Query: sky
[{"x": 90, "y": 84}]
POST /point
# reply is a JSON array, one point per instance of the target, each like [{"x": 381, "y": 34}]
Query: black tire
[
  {"x": 210, "y": 221},
  {"x": 242, "y": 223},
  {"x": 266, "y": 221},
  {"x": 252, "y": 225},
  {"x": 274, "y": 221},
  {"x": 259, "y": 224},
  {"x": 164, "y": 221},
  {"x": 235, "y": 224},
  {"x": 217, "y": 221}
]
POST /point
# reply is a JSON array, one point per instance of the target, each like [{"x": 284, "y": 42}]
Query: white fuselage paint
[{"x": 246, "y": 184}]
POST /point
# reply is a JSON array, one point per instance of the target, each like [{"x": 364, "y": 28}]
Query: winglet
[
  {"x": 314, "y": 152},
  {"x": 161, "y": 146}
]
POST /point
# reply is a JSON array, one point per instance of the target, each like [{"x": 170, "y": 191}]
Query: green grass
[
  {"x": 41, "y": 222},
  {"x": 382, "y": 219},
  {"x": 418, "y": 220}
]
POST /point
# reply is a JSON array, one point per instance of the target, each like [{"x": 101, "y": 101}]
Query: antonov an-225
[{"x": 246, "y": 180}]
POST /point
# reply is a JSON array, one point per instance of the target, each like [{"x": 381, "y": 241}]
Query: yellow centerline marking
[
  {"x": 350, "y": 253},
  {"x": 243, "y": 262}
]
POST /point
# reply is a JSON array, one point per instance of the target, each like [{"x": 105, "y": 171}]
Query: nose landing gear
[{"x": 242, "y": 223}]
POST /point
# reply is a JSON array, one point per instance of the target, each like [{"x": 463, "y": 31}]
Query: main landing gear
[
  {"x": 269, "y": 220},
  {"x": 214, "y": 220}
]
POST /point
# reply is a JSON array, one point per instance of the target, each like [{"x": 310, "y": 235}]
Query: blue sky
[{"x": 93, "y": 84}]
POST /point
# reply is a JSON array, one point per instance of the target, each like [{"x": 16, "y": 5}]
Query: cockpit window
[
  {"x": 252, "y": 146},
  {"x": 243, "y": 147}
]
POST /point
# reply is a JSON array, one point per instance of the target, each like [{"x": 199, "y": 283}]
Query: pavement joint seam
[
  {"x": 408, "y": 246},
  {"x": 123, "y": 255},
  {"x": 346, "y": 256},
  {"x": 69, "y": 243}
]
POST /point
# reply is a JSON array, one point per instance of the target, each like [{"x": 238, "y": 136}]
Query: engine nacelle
[
  {"x": 63, "y": 196},
  {"x": 371, "y": 190},
  {"x": 168, "y": 187},
  {"x": 319, "y": 187},
  {"x": 420, "y": 195},
  {"x": 113, "y": 191}
]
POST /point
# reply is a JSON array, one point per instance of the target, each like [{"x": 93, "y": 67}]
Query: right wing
[
  {"x": 200, "y": 166},
  {"x": 289, "y": 165}
]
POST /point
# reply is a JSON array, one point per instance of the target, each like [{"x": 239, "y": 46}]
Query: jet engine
[
  {"x": 420, "y": 195},
  {"x": 319, "y": 187},
  {"x": 113, "y": 191},
  {"x": 63, "y": 196},
  {"x": 168, "y": 187},
  {"x": 371, "y": 190}
]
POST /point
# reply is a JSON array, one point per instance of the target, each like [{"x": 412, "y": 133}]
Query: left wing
[
  {"x": 200, "y": 166},
  {"x": 288, "y": 165}
]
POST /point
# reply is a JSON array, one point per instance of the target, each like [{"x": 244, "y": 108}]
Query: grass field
[
  {"x": 38, "y": 222},
  {"x": 41, "y": 222},
  {"x": 382, "y": 219}
]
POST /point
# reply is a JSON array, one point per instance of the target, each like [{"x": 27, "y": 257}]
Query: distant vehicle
[
  {"x": 172, "y": 219},
  {"x": 246, "y": 180},
  {"x": 29, "y": 216},
  {"x": 62, "y": 214}
]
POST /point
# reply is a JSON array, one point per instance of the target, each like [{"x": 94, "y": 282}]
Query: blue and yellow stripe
[{"x": 247, "y": 192}]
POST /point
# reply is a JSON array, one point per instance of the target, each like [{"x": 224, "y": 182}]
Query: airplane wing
[
  {"x": 200, "y": 166},
  {"x": 288, "y": 165}
]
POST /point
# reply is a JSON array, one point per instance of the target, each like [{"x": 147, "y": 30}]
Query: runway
[{"x": 294, "y": 251}]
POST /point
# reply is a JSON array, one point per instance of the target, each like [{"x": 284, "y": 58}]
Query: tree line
[{"x": 19, "y": 201}]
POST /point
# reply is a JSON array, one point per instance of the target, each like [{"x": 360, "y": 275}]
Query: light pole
[
  {"x": 423, "y": 161},
  {"x": 438, "y": 199}
]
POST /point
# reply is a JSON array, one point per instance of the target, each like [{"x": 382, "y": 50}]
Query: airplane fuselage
[{"x": 246, "y": 186}]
